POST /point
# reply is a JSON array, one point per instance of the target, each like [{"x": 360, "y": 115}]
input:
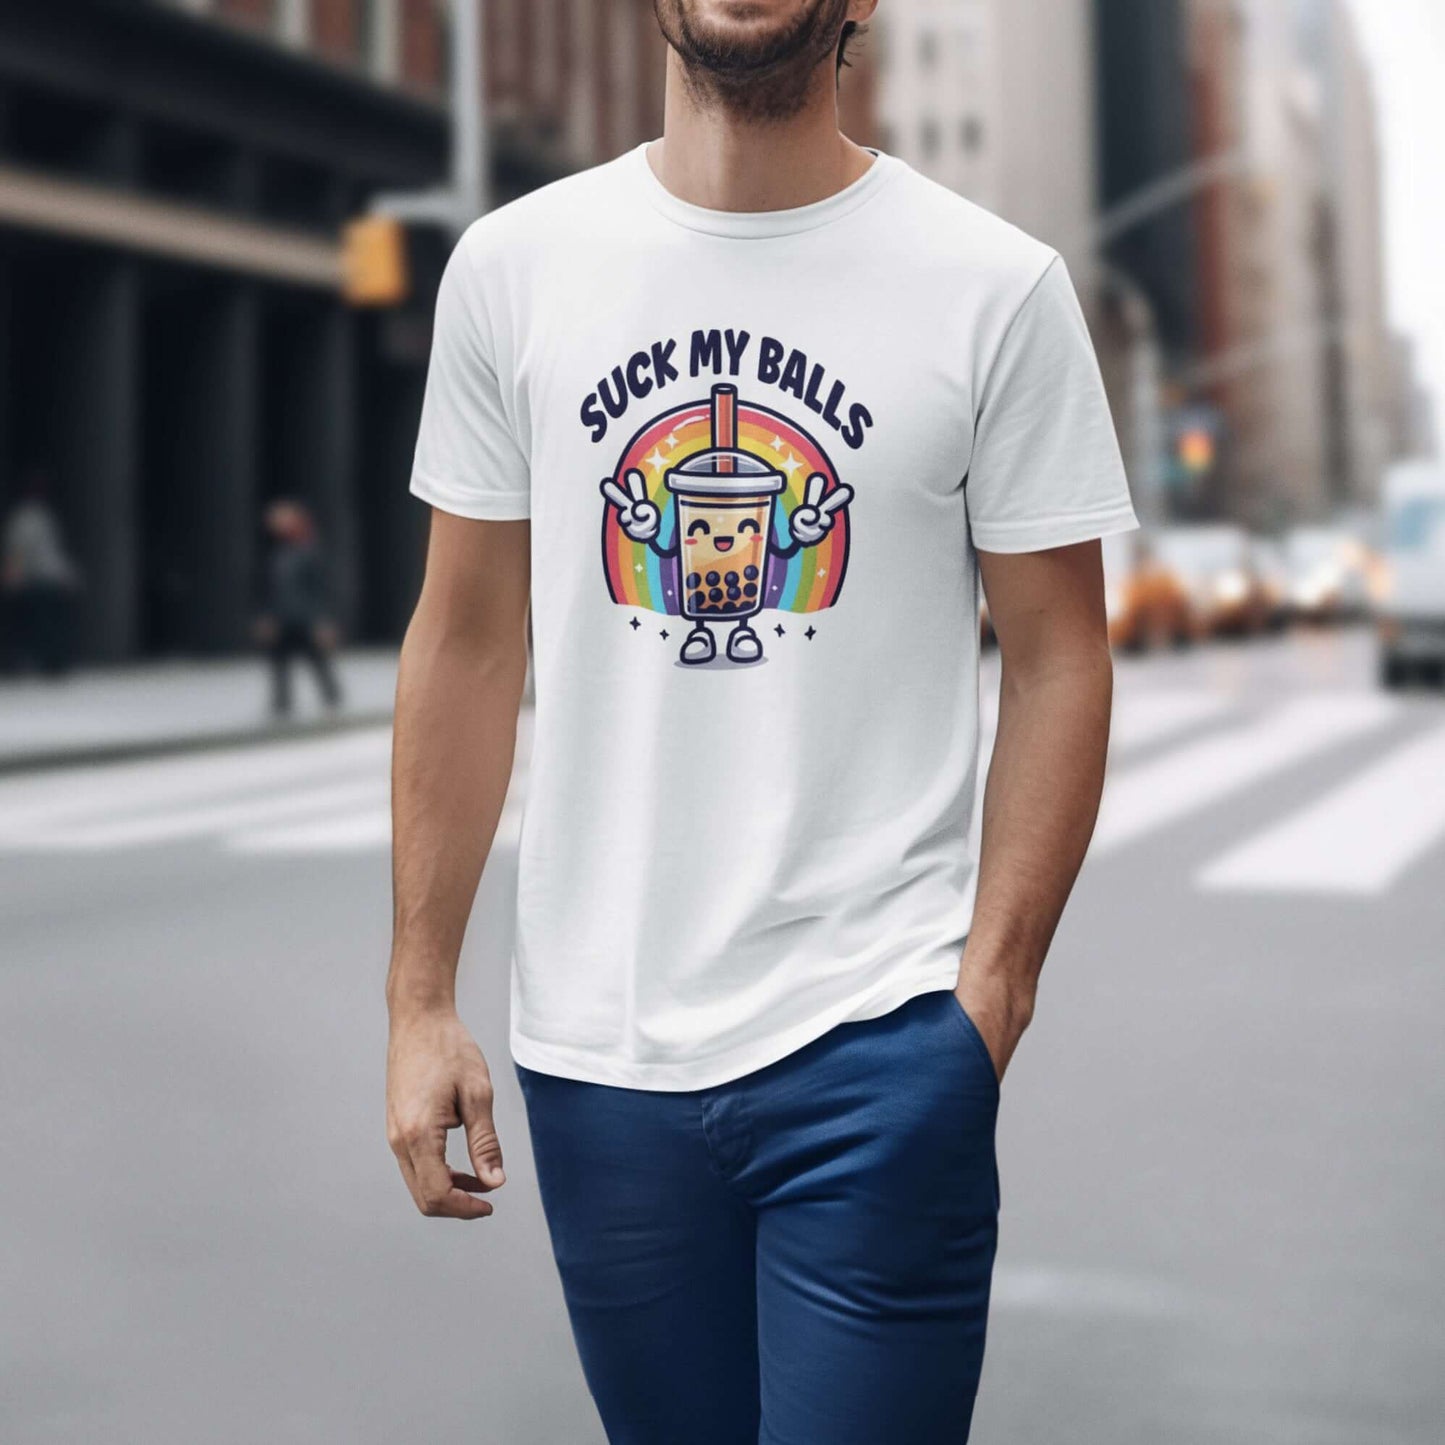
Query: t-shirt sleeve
[
  {"x": 468, "y": 460},
  {"x": 1045, "y": 469}
]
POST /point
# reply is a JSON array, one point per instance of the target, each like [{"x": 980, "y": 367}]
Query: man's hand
[
  {"x": 436, "y": 1081},
  {"x": 1000, "y": 1009}
]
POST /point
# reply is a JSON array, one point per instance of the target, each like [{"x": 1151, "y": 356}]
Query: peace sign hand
[
  {"x": 811, "y": 522},
  {"x": 640, "y": 519}
]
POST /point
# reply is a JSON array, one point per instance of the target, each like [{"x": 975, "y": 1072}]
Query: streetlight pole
[{"x": 467, "y": 195}]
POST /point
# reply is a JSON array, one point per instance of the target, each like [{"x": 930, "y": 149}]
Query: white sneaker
[
  {"x": 699, "y": 646},
  {"x": 744, "y": 644}
]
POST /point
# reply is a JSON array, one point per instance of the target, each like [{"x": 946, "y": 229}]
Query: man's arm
[
  {"x": 459, "y": 688},
  {"x": 1044, "y": 783}
]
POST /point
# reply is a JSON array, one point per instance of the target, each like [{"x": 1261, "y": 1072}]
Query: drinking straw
[{"x": 724, "y": 422}]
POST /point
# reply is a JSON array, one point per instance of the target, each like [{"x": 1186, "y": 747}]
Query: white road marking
[
  {"x": 1139, "y": 719},
  {"x": 1192, "y": 777},
  {"x": 1151, "y": 717},
  {"x": 202, "y": 820},
  {"x": 1357, "y": 839},
  {"x": 73, "y": 795},
  {"x": 356, "y": 830}
]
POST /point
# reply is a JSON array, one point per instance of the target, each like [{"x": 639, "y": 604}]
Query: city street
[{"x": 1220, "y": 1154}]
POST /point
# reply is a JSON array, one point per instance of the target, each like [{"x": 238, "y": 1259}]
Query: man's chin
[{"x": 738, "y": 37}]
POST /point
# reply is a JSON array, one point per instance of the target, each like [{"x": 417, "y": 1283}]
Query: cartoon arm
[
  {"x": 813, "y": 520},
  {"x": 639, "y": 518}
]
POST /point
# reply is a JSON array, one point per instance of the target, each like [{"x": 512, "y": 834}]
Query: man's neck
[{"x": 710, "y": 158}]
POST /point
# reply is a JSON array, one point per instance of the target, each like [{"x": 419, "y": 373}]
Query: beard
[{"x": 761, "y": 75}]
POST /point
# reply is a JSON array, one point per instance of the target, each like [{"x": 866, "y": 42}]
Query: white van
[{"x": 1412, "y": 611}]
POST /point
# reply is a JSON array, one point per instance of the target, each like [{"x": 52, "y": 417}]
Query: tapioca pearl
[
  {"x": 713, "y": 579},
  {"x": 731, "y": 579},
  {"x": 750, "y": 572},
  {"x": 733, "y": 594},
  {"x": 697, "y": 599},
  {"x": 750, "y": 589},
  {"x": 694, "y": 580},
  {"x": 715, "y": 594}
]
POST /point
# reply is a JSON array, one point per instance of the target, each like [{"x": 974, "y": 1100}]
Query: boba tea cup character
[{"x": 724, "y": 500}]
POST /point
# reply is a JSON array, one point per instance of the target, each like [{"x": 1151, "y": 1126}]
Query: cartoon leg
[
  {"x": 698, "y": 645},
  {"x": 744, "y": 645}
]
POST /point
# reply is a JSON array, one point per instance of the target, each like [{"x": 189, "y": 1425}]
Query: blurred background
[{"x": 222, "y": 223}]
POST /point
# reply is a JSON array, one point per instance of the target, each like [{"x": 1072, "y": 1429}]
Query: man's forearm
[
  {"x": 458, "y": 693},
  {"x": 1040, "y": 804}
]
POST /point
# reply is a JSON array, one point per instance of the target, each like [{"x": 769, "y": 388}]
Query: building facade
[{"x": 176, "y": 349}]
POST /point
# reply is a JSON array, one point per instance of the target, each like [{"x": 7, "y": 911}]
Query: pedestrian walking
[
  {"x": 763, "y": 992},
  {"x": 40, "y": 580},
  {"x": 296, "y": 621}
]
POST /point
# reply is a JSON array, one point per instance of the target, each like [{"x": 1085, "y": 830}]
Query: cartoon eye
[
  {"x": 697, "y": 527},
  {"x": 748, "y": 524}
]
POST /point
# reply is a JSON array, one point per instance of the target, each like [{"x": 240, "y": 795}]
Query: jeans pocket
[{"x": 972, "y": 1036}]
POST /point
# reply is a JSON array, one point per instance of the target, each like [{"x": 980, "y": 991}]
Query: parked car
[
  {"x": 1217, "y": 566},
  {"x": 1328, "y": 574},
  {"x": 1147, "y": 603},
  {"x": 1411, "y": 615}
]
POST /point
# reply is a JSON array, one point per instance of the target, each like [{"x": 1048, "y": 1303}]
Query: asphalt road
[{"x": 1221, "y": 1161}]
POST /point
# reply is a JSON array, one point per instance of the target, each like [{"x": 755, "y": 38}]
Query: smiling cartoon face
[{"x": 724, "y": 549}]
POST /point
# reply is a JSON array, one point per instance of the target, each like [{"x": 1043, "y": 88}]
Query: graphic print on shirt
[{"x": 718, "y": 509}]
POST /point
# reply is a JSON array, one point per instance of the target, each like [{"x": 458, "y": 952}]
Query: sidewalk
[{"x": 146, "y": 709}]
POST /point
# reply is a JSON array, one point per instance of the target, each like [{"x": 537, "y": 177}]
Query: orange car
[{"x": 1148, "y": 604}]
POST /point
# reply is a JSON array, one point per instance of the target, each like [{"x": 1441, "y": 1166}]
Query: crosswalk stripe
[
  {"x": 77, "y": 795},
  {"x": 1146, "y": 718},
  {"x": 198, "y": 821},
  {"x": 1357, "y": 839},
  {"x": 1185, "y": 780},
  {"x": 355, "y": 830},
  {"x": 1139, "y": 719}
]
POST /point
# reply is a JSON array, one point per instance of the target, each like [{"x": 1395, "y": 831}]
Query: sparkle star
[
  {"x": 791, "y": 465},
  {"x": 663, "y": 634},
  {"x": 634, "y": 624},
  {"x": 637, "y": 567},
  {"x": 672, "y": 442},
  {"x": 811, "y": 633},
  {"x": 779, "y": 629},
  {"x": 777, "y": 444},
  {"x": 822, "y": 571},
  {"x": 657, "y": 461}
]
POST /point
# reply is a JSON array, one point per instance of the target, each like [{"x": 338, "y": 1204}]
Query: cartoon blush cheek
[{"x": 691, "y": 541}]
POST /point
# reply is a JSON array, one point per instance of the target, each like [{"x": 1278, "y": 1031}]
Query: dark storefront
[{"x": 174, "y": 348}]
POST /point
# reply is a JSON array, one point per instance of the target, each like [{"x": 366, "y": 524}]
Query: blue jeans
[{"x": 799, "y": 1256}]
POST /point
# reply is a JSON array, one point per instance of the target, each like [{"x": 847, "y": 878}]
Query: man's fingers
[
  {"x": 813, "y": 492},
  {"x": 840, "y": 496},
  {"x": 484, "y": 1149},
  {"x": 438, "y": 1197},
  {"x": 615, "y": 494}
]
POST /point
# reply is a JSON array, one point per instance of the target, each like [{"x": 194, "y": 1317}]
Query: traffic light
[
  {"x": 374, "y": 262},
  {"x": 1196, "y": 450}
]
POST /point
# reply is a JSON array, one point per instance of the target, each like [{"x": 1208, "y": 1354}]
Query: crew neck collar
[{"x": 762, "y": 224}]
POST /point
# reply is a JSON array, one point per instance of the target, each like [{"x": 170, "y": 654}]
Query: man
[
  {"x": 758, "y": 1017},
  {"x": 296, "y": 621},
  {"x": 40, "y": 578}
]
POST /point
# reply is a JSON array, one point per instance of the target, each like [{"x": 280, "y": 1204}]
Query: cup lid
[{"x": 724, "y": 472}]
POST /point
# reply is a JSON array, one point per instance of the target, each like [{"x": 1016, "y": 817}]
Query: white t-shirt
[{"x": 757, "y": 451}]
